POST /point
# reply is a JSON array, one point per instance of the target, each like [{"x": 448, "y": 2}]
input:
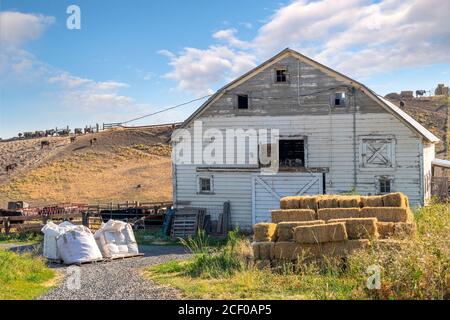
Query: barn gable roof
[{"x": 389, "y": 106}]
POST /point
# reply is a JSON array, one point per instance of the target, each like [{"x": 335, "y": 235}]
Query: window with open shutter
[{"x": 377, "y": 152}]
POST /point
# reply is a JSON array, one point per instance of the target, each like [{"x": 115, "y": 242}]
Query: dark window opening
[
  {"x": 205, "y": 184},
  {"x": 292, "y": 153},
  {"x": 385, "y": 185},
  {"x": 242, "y": 101},
  {"x": 281, "y": 75},
  {"x": 339, "y": 99}
]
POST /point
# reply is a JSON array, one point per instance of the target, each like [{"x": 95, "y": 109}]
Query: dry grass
[{"x": 96, "y": 177}]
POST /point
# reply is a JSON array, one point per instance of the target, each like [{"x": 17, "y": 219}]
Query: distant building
[{"x": 441, "y": 90}]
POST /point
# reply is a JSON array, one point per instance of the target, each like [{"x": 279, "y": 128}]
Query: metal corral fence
[{"x": 140, "y": 215}]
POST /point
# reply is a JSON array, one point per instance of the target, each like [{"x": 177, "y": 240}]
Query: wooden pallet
[
  {"x": 59, "y": 261},
  {"x": 186, "y": 222}
]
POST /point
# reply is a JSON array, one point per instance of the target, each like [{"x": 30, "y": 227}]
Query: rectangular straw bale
[
  {"x": 338, "y": 213},
  {"x": 349, "y": 201},
  {"x": 264, "y": 232},
  {"x": 359, "y": 228},
  {"x": 327, "y": 201},
  {"x": 294, "y": 250},
  {"x": 372, "y": 201},
  {"x": 404, "y": 230},
  {"x": 320, "y": 233},
  {"x": 390, "y": 244},
  {"x": 385, "y": 229},
  {"x": 396, "y": 199},
  {"x": 308, "y": 202},
  {"x": 293, "y": 215},
  {"x": 387, "y": 214},
  {"x": 344, "y": 248},
  {"x": 285, "y": 230},
  {"x": 290, "y": 202},
  {"x": 263, "y": 250}
]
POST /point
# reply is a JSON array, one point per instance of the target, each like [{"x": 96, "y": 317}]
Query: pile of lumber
[{"x": 331, "y": 225}]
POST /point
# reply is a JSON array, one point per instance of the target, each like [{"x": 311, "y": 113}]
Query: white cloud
[
  {"x": 17, "y": 28},
  {"x": 357, "y": 37},
  {"x": 197, "y": 70}
]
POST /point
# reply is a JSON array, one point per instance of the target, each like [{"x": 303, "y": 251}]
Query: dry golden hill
[{"x": 122, "y": 165}]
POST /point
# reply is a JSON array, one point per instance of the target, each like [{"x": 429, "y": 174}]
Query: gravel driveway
[{"x": 119, "y": 279}]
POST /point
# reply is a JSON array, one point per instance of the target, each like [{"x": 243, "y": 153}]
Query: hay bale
[
  {"x": 264, "y": 232},
  {"x": 263, "y": 250},
  {"x": 387, "y": 214},
  {"x": 389, "y": 244},
  {"x": 327, "y": 201},
  {"x": 385, "y": 229},
  {"x": 349, "y": 201},
  {"x": 308, "y": 202},
  {"x": 320, "y": 233},
  {"x": 359, "y": 228},
  {"x": 338, "y": 213},
  {"x": 262, "y": 264},
  {"x": 344, "y": 248},
  {"x": 372, "y": 201},
  {"x": 290, "y": 202},
  {"x": 293, "y": 215},
  {"x": 285, "y": 230},
  {"x": 293, "y": 250},
  {"x": 403, "y": 230},
  {"x": 396, "y": 199}
]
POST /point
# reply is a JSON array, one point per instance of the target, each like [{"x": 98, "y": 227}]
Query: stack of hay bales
[{"x": 331, "y": 225}]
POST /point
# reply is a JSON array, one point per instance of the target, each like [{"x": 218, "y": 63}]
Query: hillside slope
[{"x": 122, "y": 165}]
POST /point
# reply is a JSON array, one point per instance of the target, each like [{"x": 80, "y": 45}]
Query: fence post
[
  {"x": 85, "y": 219},
  {"x": 6, "y": 225}
]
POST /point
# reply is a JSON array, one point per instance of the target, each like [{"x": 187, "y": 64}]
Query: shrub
[{"x": 416, "y": 270}]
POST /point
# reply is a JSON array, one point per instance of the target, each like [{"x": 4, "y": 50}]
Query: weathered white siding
[{"x": 329, "y": 144}]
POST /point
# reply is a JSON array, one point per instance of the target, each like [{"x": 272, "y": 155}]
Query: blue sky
[{"x": 135, "y": 57}]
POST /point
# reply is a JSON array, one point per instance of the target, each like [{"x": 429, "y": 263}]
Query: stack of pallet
[{"x": 331, "y": 225}]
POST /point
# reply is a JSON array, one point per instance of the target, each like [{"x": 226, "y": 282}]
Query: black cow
[
  {"x": 11, "y": 167},
  {"x": 45, "y": 143}
]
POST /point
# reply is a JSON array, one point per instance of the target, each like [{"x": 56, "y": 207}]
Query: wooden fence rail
[{"x": 90, "y": 216}]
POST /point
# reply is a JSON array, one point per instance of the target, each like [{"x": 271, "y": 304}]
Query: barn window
[
  {"x": 377, "y": 152},
  {"x": 292, "y": 153},
  {"x": 384, "y": 185},
  {"x": 205, "y": 184},
  {"x": 281, "y": 75},
  {"x": 339, "y": 99},
  {"x": 242, "y": 100}
]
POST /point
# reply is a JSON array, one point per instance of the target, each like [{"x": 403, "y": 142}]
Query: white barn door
[{"x": 269, "y": 189}]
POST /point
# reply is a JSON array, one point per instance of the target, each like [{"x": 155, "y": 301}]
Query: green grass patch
[
  {"x": 23, "y": 276},
  {"x": 154, "y": 236},
  {"x": 22, "y": 238}
]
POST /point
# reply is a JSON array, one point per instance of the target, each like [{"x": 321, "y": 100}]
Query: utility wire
[{"x": 167, "y": 109}]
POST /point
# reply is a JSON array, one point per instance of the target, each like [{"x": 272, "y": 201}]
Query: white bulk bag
[
  {"x": 51, "y": 231},
  {"x": 116, "y": 239},
  {"x": 77, "y": 245}
]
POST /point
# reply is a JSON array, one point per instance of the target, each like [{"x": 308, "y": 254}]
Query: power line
[{"x": 167, "y": 109}]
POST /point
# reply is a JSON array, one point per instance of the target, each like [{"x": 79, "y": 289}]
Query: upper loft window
[
  {"x": 242, "y": 101},
  {"x": 281, "y": 76},
  {"x": 340, "y": 99},
  {"x": 292, "y": 153}
]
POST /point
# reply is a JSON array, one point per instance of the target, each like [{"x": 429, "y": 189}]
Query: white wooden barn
[{"x": 335, "y": 136}]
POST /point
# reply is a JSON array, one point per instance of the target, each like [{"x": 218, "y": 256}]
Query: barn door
[{"x": 268, "y": 190}]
